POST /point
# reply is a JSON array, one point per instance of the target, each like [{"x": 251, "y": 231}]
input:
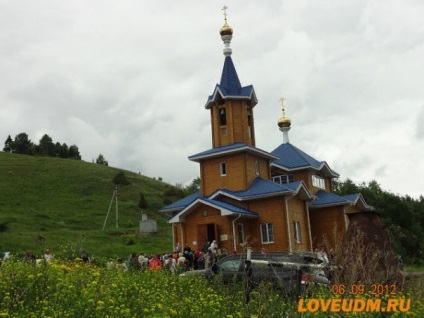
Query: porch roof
[
  {"x": 325, "y": 199},
  {"x": 181, "y": 204},
  {"x": 226, "y": 209}
]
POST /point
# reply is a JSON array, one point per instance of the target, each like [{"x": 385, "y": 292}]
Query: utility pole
[{"x": 114, "y": 196}]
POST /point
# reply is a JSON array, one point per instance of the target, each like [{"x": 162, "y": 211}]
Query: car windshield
[{"x": 230, "y": 266}]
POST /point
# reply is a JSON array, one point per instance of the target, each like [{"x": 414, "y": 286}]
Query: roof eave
[
  {"x": 291, "y": 169},
  {"x": 307, "y": 195},
  {"x": 329, "y": 205},
  {"x": 180, "y": 217},
  {"x": 360, "y": 202},
  {"x": 171, "y": 210},
  {"x": 329, "y": 172},
  {"x": 251, "y": 197},
  {"x": 213, "y": 98},
  {"x": 247, "y": 148}
]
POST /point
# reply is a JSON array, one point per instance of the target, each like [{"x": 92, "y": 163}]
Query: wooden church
[{"x": 278, "y": 201}]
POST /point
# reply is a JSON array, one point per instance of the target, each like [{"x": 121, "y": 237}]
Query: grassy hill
[{"x": 61, "y": 204}]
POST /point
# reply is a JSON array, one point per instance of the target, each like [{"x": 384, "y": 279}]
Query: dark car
[{"x": 286, "y": 271}]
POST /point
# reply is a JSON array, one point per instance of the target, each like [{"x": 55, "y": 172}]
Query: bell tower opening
[{"x": 222, "y": 116}]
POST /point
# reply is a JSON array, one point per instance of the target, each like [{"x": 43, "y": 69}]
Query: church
[{"x": 278, "y": 201}]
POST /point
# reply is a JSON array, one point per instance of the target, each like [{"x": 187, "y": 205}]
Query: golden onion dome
[
  {"x": 226, "y": 29},
  {"x": 284, "y": 122}
]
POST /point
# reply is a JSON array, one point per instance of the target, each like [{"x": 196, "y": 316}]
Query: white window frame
[
  {"x": 223, "y": 169},
  {"x": 267, "y": 233},
  {"x": 283, "y": 178},
  {"x": 318, "y": 181},
  {"x": 257, "y": 167},
  {"x": 297, "y": 236}
]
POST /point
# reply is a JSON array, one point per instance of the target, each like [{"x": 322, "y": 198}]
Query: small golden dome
[
  {"x": 284, "y": 122},
  {"x": 226, "y": 29}
]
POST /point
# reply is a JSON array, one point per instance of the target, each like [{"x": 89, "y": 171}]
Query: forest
[{"x": 46, "y": 147}]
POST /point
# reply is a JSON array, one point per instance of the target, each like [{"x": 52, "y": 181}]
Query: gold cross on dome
[
  {"x": 282, "y": 99},
  {"x": 224, "y": 8}
]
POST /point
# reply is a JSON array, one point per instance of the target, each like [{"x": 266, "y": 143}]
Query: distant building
[
  {"x": 278, "y": 201},
  {"x": 147, "y": 226}
]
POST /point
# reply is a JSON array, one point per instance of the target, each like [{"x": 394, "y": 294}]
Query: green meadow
[{"x": 62, "y": 204}]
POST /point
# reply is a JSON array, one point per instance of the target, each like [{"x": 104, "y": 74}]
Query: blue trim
[{"x": 233, "y": 148}]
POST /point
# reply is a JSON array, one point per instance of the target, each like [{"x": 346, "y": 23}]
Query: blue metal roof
[
  {"x": 225, "y": 209},
  {"x": 358, "y": 200},
  {"x": 261, "y": 186},
  {"x": 324, "y": 198},
  {"x": 234, "y": 146},
  {"x": 351, "y": 197},
  {"x": 292, "y": 158},
  {"x": 230, "y": 83},
  {"x": 230, "y": 86},
  {"x": 181, "y": 204}
]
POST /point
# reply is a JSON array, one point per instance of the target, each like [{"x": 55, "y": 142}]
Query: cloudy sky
[{"x": 129, "y": 79}]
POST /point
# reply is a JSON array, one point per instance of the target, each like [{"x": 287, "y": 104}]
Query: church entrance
[{"x": 206, "y": 233}]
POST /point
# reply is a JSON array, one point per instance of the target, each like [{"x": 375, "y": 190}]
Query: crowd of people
[
  {"x": 181, "y": 259},
  {"x": 28, "y": 257}
]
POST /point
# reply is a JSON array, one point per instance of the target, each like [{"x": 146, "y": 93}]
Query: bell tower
[
  {"x": 231, "y": 105},
  {"x": 234, "y": 162}
]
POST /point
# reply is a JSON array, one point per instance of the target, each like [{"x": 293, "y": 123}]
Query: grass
[{"x": 56, "y": 203}]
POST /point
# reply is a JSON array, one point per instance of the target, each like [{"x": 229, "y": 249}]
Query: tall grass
[{"x": 76, "y": 289}]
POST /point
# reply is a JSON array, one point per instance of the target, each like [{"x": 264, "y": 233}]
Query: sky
[{"x": 129, "y": 79}]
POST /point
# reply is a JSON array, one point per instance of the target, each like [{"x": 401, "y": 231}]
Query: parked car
[{"x": 290, "y": 272}]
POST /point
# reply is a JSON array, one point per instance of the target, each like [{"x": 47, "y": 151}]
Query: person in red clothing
[{"x": 155, "y": 264}]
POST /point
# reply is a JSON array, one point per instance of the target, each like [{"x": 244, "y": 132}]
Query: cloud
[
  {"x": 130, "y": 80},
  {"x": 420, "y": 124}
]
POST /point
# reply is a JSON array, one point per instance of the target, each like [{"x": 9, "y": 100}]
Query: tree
[
  {"x": 142, "y": 203},
  {"x": 22, "y": 144},
  {"x": 194, "y": 186},
  {"x": 8, "y": 144},
  {"x": 402, "y": 217},
  {"x": 64, "y": 151},
  {"x": 46, "y": 145},
  {"x": 120, "y": 179},
  {"x": 101, "y": 160},
  {"x": 345, "y": 187},
  {"x": 74, "y": 153}
]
